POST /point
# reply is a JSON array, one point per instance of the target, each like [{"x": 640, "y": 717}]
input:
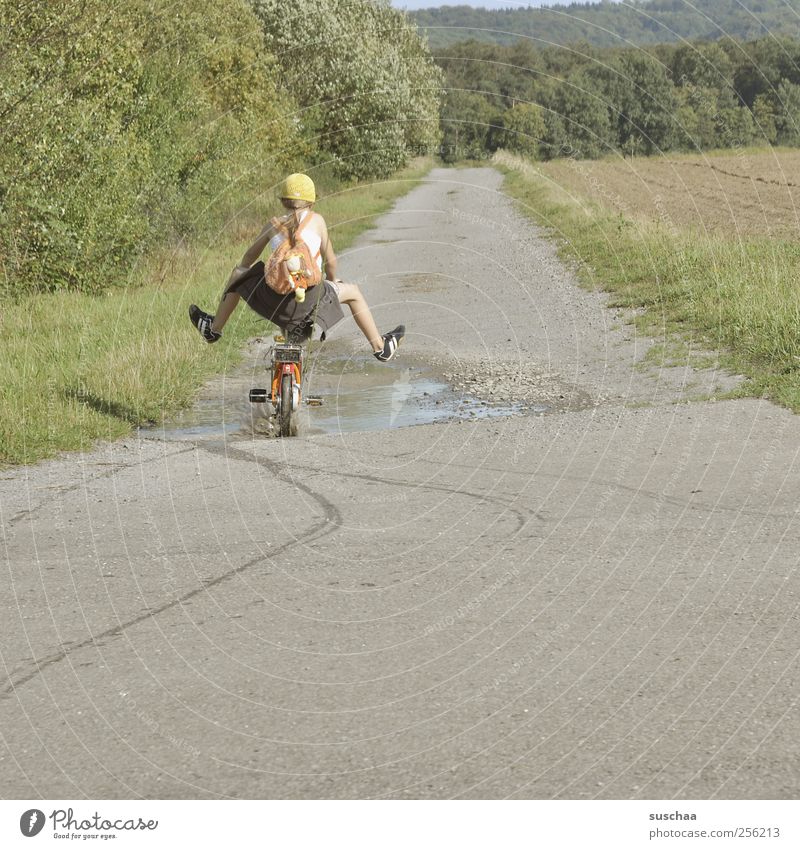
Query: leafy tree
[
  {"x": 644, "y": 104},
  {"x": 758, "y": 70},
  {"x": 471, "y": 126},
  {"x": 524, "y": 129},
  {"x": 367, "y": 88},
  {"x": 703, "y": 65},
  {"x": 765, "y": 118},
  {"x": 787, "y": 120},
  {"x": 735, "y": 127},
  {"x": 578, "y": 123},
  {"x": 695, "y": 127}
]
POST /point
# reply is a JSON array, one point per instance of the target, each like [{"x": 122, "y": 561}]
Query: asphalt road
[{"x": 600, "y": 601}]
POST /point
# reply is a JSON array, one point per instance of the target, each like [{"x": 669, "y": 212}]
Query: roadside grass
[
  {"x": 79, "y": 368},
  {"x": 735, "y": 296},
  {"x": 677, "y": 351}
]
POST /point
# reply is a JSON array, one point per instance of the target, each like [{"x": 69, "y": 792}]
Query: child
[{"x": 322, "y": 304}]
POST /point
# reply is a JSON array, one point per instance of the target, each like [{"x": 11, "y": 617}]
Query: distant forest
[
  {"x": 588, "y": 101},
  {"x": 609, "y": 24}
]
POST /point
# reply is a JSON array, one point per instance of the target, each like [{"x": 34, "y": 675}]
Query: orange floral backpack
[{"x": 291, "y": 266}]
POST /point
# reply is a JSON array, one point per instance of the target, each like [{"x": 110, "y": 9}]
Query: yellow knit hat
[{"x": 299, "y": 187}]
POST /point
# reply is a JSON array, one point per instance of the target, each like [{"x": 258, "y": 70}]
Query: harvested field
[{"x": 744, "y": 193}]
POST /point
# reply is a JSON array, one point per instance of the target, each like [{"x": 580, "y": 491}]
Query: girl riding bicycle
[{"x": 321, "y": 303}]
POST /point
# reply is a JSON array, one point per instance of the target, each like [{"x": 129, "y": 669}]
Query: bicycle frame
[{"x": 287, "y": 359}]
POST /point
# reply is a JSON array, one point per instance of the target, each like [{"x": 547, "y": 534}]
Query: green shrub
[{"x": 122, "y": 126}]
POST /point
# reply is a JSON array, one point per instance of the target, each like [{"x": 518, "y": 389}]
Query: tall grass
[
  {"x": 738, "y": 296},
  {"x": 76, "y": 368}
]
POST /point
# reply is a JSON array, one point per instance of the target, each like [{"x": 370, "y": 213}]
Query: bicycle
[{"x": 287, "y": 360}]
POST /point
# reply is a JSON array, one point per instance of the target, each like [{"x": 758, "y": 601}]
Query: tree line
[
  {"x": 611, "y": 23},
  {"x": 586, "y": 101}
]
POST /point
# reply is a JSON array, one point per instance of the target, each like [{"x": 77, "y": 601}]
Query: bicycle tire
[{"x": 285, "y": 410}]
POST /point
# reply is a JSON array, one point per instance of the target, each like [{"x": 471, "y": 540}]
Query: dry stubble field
[{"x": 741, "y": 193}]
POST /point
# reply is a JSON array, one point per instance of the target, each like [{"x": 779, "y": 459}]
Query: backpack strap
[{"x": 300, "y": 226}]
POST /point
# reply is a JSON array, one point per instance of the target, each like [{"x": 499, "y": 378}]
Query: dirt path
[{"x": 601, "y": 601}]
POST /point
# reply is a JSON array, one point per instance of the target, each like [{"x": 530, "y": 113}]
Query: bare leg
[
  {"x": 226, "y": 307},
  {"x": 350, "y": 294}
]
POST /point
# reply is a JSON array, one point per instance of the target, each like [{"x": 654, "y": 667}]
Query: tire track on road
[{"x": 330, "y": 520}]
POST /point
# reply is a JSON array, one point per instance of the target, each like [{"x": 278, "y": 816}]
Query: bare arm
[{"x": 252, "y": 253}]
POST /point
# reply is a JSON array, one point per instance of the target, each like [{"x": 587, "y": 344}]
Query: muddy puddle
[{"x": 357, "y": 393}]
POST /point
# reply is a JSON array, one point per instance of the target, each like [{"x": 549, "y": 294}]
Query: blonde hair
[{"x": 290, "y": 219}]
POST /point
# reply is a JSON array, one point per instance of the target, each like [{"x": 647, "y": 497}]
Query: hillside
[{"x": 613, "y": 24}]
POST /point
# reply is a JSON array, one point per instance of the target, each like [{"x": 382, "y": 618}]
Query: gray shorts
[
  {"x": 321, "y": 306},
  {"x": 334, "y": 284}
]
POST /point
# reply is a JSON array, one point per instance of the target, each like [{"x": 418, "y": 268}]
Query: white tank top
[{"x": 309, "y": 236}]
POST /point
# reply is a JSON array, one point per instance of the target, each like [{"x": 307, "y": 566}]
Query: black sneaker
[
  {"x": 202, "y": 321},
  {"x": 391, "y": 341}
]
